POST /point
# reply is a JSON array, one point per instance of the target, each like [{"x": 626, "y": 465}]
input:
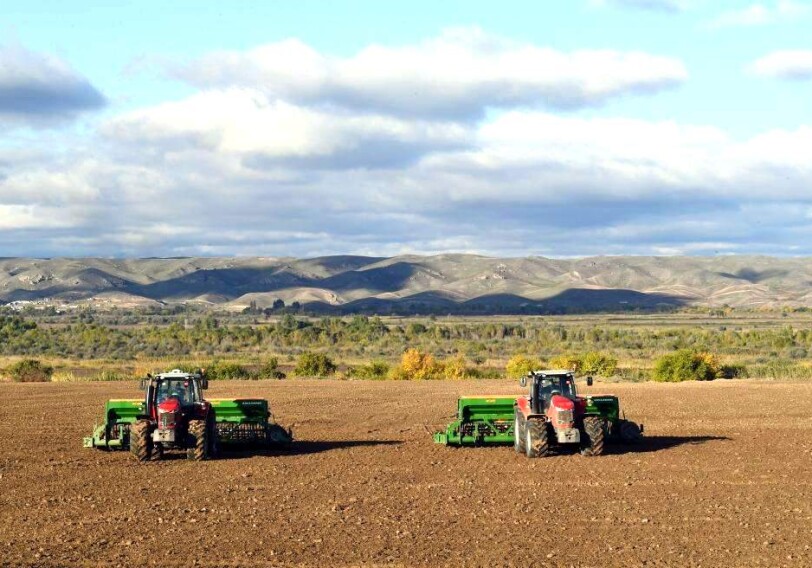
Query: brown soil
[{"x": 723, "y": 479}]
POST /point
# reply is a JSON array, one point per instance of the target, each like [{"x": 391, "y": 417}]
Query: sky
[{"x": 309, "y": 128}]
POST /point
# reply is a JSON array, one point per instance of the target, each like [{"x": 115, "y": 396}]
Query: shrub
[
  {"x": 520, "y": 365},
  {"x": 416, "y": 328},
  {"x": 314, "y": 365},
  {"x": 595, "y": 363},
  {"x": 30, "y": 371},
  {"x": 686, "y": 365},
  {"x": 184, "y": 367},
  {"x": 109, "y": 376},
  {"x": 484, "y": 374},
  {"x": 568, "y": 362},
  {"x": 270, "y": 370},
  {"x": 455, "y": 369},
  {"x": 224, "y": 371},
  {"x": 416, "y": 365},
  {"x": 733, "y": 371},
  {"x": 633, "y": 374},
  {"x": 65, "y": 377},
  {"x": 374, "y": 370},
  {"x": 779, "y": 369}
]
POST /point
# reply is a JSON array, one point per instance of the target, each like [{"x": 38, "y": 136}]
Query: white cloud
[
  {"x": 249, "y": 123},
  {"x": 16, "y": 217},
  {"x": 543, "y": 158},
  {"x": 788, "y": 64},
  {"x": 456, "y": 75},
  {"x": 37, "y": 88},
  {"x": 761, "y": 14},
  {"x": 302, "y": 165},
  {"x": 529, "y": 182},
  {"x": 49, "y": 186},
  {"x": 654, "y": 5}
]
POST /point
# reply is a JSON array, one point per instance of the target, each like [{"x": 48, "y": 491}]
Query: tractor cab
[
  {"x": 185, "y": 390},
  {"x": 544, "y": 385},
  {"x": 176, "y": 390},
  {"x": 172, "y": 401}
]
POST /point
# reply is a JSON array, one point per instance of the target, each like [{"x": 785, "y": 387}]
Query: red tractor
[
  {"x": 554, "y": 415},
  {"x": 175, "y": 416}
]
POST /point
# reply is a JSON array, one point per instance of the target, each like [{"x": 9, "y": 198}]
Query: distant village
[{"x": 40, "y": 304}]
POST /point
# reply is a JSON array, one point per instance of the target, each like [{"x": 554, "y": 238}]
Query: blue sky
[{"x": 306, "y": 128}]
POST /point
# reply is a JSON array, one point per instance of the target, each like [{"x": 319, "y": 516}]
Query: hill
[{"x": 448, "y": 283}]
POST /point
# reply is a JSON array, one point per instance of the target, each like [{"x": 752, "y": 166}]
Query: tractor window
[
  {"x": 557, "y": 385},
  {"x": 568, "y": 388},
  {"x": 183, "y": 389}
]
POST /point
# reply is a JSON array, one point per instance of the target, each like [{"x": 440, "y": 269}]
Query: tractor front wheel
[
  {"x": 536, "y": 440},
  {"x": 141, "y": 440},
  {"x": 199, "y": 449},
  {"x": 518, "y": 432},
  {"x": 594, "y": 435}
]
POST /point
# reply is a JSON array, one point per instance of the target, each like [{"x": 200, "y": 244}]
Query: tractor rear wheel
[
  {"x": 518, "y": 432},
  {"x": 594, "y": 435},
  {"x": 199, "y": 450},
  {"x": 141, "y": 440},
  {"x": 537, "y": 441},
  {"x": 630, "y": 432}
]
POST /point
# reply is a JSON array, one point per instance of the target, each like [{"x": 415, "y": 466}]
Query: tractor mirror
[
  {"x": 589, "y": 381},
  {"x": 523, "y": 381},
  {"x": 142, "y": 384},
  {"x": 204, "y": 384}
]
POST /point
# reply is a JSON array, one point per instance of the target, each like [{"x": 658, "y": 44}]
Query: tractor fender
[
  {"x": 608, "y": 424},
  {"x": 523, "y": 406}
]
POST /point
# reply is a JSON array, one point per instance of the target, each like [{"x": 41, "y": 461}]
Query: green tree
[
  {"x": 686, "y": 365},
  {"x": 314, "y": 365}
]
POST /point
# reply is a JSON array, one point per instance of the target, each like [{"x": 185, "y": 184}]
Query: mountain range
[{"x": 447, "y": 283}]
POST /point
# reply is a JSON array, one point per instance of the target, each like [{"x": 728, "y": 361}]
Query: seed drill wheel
[
  {"x": 593, "y": 438},
  {"x": 214, "y": 446},
  {"x": 518, "y": 432},
  {"x": 141, "y": 441},
  {"x": 198, "y": 431},
  {"x": 630, "y": 432},
  {"x": 537, "y": 443}
]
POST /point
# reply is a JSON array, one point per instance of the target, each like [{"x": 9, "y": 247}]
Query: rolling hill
[{"x": 448, "y": 283}]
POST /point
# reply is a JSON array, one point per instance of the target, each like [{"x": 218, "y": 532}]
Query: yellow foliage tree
[
  {"x": 416, "y": 365},
  {"x": 568, "y": 362},
  {"x": 455, "y": 369},
  {"x": 520, "y": 365}
]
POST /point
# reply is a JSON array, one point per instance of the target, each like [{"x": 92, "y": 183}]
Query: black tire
[
  {"x": 214, "y": 446},
  {"x": 199, "y": 434},
  {"x": 593, "y": 436},
  {"x": 276, "y": 437},
  {"x": 630, "y": 432},
  {"x": 518, "y": 432},
  {"x": 141, "y": 440},
  {"x": 537, "y": 442}
]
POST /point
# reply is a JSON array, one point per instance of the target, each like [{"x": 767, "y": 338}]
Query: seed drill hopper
[{"x": 480, "y": 420}]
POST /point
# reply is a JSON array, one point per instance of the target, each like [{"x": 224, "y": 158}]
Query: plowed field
[{"x": 724, "y": 478}]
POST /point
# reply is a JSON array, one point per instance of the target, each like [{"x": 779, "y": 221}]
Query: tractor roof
[
  {"x": 177, "y": 374},
  {"x": 554, "y": 372}
]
